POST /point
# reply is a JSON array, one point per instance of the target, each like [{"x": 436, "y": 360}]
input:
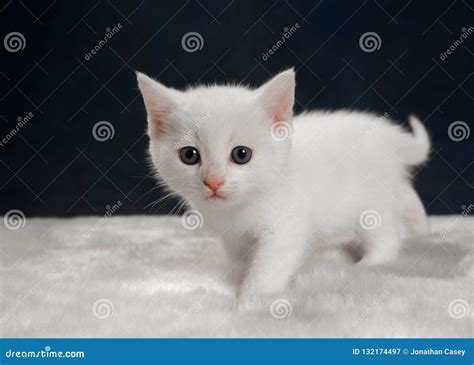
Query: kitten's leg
[
  {"x": 381, "y": 244},
  {"x": 275, "y": 261},
  {"x": 238, "y": 248},
  {"x": 414, "y": 217},
  {"x": 239, "y": 251}
]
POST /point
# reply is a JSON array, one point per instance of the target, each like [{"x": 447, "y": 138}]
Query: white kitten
[{"x": 273, "y": 185}]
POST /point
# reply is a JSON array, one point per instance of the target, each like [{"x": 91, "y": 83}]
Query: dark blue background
[{"x": 55, "y": 167}]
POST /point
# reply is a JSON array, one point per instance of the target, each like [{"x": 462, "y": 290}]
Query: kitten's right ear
[{"x": 158, "y": 102}]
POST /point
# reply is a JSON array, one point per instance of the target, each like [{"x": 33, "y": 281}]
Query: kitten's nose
[{"x": 213, "y": 184}]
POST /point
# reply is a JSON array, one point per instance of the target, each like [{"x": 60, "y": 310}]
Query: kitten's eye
[
  {"x": 189, "y": 155},
  {"x": 241, "y": 155}
]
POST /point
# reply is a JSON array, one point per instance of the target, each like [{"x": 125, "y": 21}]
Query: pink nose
[{"x": 213, "y": 184}]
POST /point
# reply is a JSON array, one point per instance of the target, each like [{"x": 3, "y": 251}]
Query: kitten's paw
[
  {"x": 263, "y": 285},
  {"x": 249, "y": 302},
  {"x": 377, "y": 258},
  {"x": 254, "y": 295}
]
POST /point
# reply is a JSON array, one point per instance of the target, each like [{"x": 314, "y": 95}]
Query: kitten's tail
[{"x": 415, "y": 148}]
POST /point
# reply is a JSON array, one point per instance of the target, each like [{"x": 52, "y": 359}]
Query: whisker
[
  {"x": 162, "y": 199},
  {"x": 154, "y": 202},
  {"x": 146, "y": 192}
]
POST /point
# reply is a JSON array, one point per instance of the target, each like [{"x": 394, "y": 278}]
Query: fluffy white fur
[
  {"x": 296, "y": 194},
  {"x": 166, "y": 281}
]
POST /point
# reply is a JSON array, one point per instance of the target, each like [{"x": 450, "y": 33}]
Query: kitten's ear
[
  {"x": 277, "y": 96},
  {"x": 159, "y": 100}
]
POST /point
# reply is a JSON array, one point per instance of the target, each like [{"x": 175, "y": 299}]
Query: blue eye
[
  {"x": 241, "y": 155},
  {"x": 189, "y": 155}
]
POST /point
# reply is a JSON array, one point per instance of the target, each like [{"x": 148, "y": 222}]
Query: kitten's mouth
[{"x": 216, "y": 196}]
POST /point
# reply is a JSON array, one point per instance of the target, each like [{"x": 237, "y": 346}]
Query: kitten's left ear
[{"x": 277, "y": 96}]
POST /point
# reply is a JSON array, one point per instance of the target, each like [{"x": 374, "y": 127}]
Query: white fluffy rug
[{"x": 145, "y": 276}]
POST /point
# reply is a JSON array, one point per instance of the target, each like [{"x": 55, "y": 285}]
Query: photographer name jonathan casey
[{"x": 430, "y": 351}]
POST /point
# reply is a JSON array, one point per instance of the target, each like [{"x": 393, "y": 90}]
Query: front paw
[
  {"x": 254, "y": 294},
  {"x": 254, "y": 286},
  {"x": 248, "y": 302}
]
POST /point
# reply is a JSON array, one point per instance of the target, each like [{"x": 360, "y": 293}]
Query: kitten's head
[{"x": 219, "y": 145}]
